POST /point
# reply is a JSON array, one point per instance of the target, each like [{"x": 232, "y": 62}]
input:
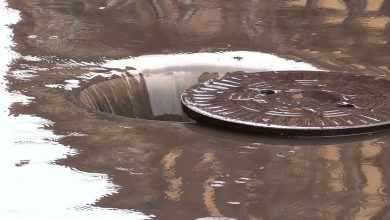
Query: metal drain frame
[{"x": 285, "y": 131}]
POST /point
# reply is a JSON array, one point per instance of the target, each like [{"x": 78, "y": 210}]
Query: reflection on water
[
  {"x": 31, "y": 186},
  {"x": 258, "y": 180},
  {"x": 81, "y": 164}
]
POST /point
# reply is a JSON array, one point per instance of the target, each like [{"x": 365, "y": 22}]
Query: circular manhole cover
[{"x": 292, "y": 103}]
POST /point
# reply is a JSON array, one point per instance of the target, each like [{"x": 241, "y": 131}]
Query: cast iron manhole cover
[{"x": 292, "y": 103}]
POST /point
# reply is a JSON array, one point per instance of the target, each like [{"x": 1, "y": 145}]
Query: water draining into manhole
[
  {"x": 149, "y": 96},
  {"x": 149, "y": 87}
]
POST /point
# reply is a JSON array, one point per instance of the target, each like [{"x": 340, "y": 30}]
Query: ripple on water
[
  {"x": 374, "y": 199},
  {"x": 234, "y": 203},
  {"x": 33, "y": 186},
  {"x": 218, "y": 183},
  {"x": 289, "y": 180},
  {"x": 336, "y": 175},
  {"x": 215, "y": 218}
]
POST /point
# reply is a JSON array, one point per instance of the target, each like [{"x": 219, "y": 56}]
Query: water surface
[{"x": 83, "y": 163}]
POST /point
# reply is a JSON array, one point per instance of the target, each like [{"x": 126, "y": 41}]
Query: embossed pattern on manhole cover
[{"x": 292, "y": 103}]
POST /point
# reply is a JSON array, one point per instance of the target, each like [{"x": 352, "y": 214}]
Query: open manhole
[
  {"x": 151, "y": 96},
  {"x": 292, "y": 103}
]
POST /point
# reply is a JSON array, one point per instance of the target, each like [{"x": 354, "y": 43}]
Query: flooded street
[{"x": 92, "y": 124}]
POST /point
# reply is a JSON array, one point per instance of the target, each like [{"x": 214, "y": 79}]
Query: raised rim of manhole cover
[{"x": 292, "y": 103}]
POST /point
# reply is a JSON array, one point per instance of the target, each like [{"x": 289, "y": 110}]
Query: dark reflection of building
[
  {"x": 248, "y": 180},
  {"x": 307, "y": 28},
  {"x": 347, "y": 173},
  {"x": 355, "y": 9}
]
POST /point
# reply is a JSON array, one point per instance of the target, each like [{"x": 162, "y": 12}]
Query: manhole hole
[
  {"x": 292, "y": 103},
  {"x": 152, "y": 97}
]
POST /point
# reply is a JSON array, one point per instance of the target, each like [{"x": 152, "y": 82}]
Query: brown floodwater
[{"x": 92, "y": 127}]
